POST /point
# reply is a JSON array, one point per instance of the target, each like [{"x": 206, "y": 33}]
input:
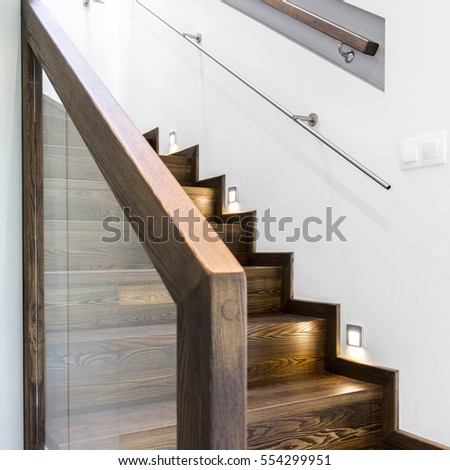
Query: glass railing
[
  {"x": 110, "y": 323},
  {"x": 134, "y": 315}
]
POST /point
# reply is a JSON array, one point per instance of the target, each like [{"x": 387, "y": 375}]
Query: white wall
[
  {"x": 393, "y": 274},
  {"x": 10, "y": 229}
]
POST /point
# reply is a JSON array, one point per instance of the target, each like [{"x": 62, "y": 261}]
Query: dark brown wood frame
[
  {"x": 344, "y": 35},
  {"x": 204, "y": 279},
  {"x": 33, "y": 268}
]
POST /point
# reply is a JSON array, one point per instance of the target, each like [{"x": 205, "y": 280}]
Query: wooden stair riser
[
  {"x": 264, "y": 289},
  {"x": 79, "y": 200},
  {"x": 141, "y": 427},
  {"x": 73, "y": 163},
  {"x": 89, "y": 246},
  {"x": 284, "y": 348},
  {"x": 93, "y": 200},
  {"x": 95, "y": 245},
  {"x": 327, "y": 412},
  {"x": 238, "y": 239},
  {"x": 77, "y": 163},
  {"x": 155, "y": 439},
  {"x": 350, "y": 423},
  {"x": 181, "y": 167},
  {"x": 93, "y": 300},
  {"x": 62, "y": 132},
  {"x": 204, "y": 198},
  {"x": 183, "y": 164},
  {"x": 92, "y": 396},
  {"x": 107, "y": 368},
  {"x": 51, "y": 108}
]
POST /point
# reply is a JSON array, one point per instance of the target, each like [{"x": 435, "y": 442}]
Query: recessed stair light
[
  {"x": 354, "y": 336},
  {"x": 233, "y": 195}
]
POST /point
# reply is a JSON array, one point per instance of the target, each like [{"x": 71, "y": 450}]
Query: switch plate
[{"x": 426, "y": 150}]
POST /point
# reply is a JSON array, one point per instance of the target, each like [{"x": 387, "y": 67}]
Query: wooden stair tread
[
  {"x": 103, "y": 429},
  {"x": 255, "y": 270},
  {"x": 315, "y": 387},
  {"x": 200, "y": 191},
  {"x": 282, "y": 318},
  {"x": 176, "y": 159}
]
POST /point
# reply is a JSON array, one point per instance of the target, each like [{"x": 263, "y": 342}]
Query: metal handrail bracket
[{"x": 306, "y": 122}]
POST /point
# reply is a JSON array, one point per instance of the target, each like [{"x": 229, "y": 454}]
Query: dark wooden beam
[{"x": 33, "y": 261}]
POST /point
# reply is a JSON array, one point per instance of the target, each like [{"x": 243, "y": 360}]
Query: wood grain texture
[
  {"x": 387, "y": 378},
  {"x": 284, "y": 347},
  {"x": 344, "y": 35},
  {"x": 264, "y": 289},
  {"x": 204, "y": 198},
  {"x": 218, "y": 184},
  {"x": 188, "y": 159},
  {"x": 93, "y": 200},
  {"x": 187, "y": 267},
  {"x": 79, "y": 200},
  {"x": 106, "y": 299},
  {"x": 33, "y": 276},
  {"x": 52, "y": 107},
  {"x": 201, "y": 338},
  {"x": 286, "y": 262},
  {"x": 110, "y": 368},
  {"x": 180, "y": 167},
  {"x": 75, "y": 163},
  {"x": 327, "y": 311},
  {"x": 126, "y": 428},
  {"x": 60, "y": 131},
  {"x": 323, "y": 412},
  {"x": 237, "y": 238},
  {"x": 84, "y": 246}
]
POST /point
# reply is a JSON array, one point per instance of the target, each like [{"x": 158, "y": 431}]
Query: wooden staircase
[{"x": 111, "y": 328}]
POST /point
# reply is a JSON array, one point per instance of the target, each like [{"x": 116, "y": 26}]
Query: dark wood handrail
[
  {"x": 341, "y": 34},
  {"x": 203, "y": 277}
]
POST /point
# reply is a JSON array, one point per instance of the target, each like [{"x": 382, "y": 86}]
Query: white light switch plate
[{"x": 426, "y": 150}]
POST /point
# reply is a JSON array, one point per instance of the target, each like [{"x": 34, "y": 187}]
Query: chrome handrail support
[{"x": 300, "y": 120}]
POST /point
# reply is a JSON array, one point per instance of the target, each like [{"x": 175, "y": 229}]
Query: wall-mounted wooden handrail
[
  {"x": 203, "y": 277},
  {"x": 341, "y": 34}
]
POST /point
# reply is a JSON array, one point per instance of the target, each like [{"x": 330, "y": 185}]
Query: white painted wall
[
  {"x": 10, "y": 229},
  {"x": 392, "y": 276}
]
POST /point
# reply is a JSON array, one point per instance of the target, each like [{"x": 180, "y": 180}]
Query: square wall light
[
  {"x": 233, "y": 195},
  {"x": 354, "y": 336},
  {"x": 172, "y": 138}
]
